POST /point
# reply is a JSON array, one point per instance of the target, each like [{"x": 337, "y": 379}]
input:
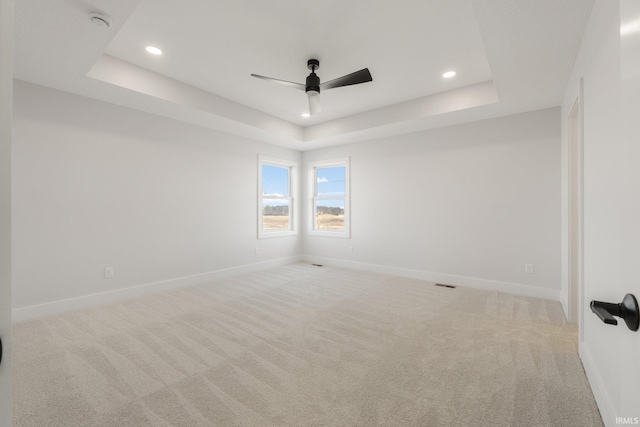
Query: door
[
  {"x": 6, "y": 105},
  {"x": 630, "y": 250},
  {"x": 611, "y": 354}
]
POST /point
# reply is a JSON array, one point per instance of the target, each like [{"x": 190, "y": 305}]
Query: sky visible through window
[
  {"x": 275, "y": 182},
  {"x": 275, "y": 199},
  {"x": 331, "y": 183}
]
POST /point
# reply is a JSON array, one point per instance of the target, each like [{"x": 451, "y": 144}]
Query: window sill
[
  {"x": 271, "y": 234},
  {"x": 330, "y": 233}
]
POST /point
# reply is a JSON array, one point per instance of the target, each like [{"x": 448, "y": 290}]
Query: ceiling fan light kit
[{"x": 313, "y": 86}]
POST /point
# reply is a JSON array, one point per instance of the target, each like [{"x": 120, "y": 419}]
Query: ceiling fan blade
[
  {"x": 314, "y": 102},
  {"x": 355, "y": 78},
  {"x": 282, "y": 82}
]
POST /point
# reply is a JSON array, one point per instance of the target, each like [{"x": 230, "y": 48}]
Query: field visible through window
[
  {"x": 330, "y": 222},
  {"x": 275, "y": 222}
]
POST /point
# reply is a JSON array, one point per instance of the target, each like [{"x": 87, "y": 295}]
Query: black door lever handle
[
  {"x": 602, "y": 313},
  {"x": 627, "y": 310}
]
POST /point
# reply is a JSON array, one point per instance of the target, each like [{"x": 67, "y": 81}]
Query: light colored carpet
[{"x": 304, "y": 346}]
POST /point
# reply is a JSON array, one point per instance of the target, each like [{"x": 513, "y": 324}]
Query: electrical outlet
[
  {"x": 108, "y": 272},
  {"x": 256, "y": 250},
  {"x": 529, "y": 268}
]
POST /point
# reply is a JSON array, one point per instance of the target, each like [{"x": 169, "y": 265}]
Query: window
[
  {"x": 330, "y": 204},
  {"x": 276, "y": 180}
]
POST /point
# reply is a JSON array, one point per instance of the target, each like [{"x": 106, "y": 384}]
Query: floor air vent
[
  {"x": 317, "y": 265},
  {"x": 445, "y": 286}
]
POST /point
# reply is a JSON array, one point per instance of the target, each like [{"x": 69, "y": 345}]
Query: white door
[
  {"x": 630, "y": 252},
  {"x": 6, "y": 105},
  {"x": 612, "y": 223}
]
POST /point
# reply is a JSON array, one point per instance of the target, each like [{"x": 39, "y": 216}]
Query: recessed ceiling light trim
[
  {"x": 305, "y": 115},
  {"x": 153, "y": 50},
  {"x": 449, "y": 74}
]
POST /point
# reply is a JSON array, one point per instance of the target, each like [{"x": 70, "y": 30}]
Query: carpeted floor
[{"x": 304, "y": 346}]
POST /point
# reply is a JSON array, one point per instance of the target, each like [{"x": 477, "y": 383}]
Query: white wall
[
  {"x": 469, "y": 204},
  {"x": 99, "y": 185}
]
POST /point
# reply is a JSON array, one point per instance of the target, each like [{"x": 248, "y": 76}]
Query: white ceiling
[
  {"x": 510, "y": 56},
  {"x": 407, "y": 45}
]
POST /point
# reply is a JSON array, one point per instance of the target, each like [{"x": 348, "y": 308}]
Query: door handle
[{"x": 627, "y": 310}]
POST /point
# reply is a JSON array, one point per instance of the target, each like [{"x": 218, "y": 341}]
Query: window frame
[
  {"x": 292, "y": 166},
  {"x": 313, "y": 188}
]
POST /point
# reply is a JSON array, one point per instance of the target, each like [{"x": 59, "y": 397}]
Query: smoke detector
[{"x": 100, "y": 19}]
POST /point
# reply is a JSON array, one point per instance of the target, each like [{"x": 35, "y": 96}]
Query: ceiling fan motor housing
[{"x": 313, "y": 81}]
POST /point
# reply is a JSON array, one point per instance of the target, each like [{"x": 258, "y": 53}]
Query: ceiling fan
[{"x": 313, "y": 85}]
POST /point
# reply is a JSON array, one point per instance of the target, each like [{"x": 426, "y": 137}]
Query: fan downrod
[{"x": 313, "y": 64}]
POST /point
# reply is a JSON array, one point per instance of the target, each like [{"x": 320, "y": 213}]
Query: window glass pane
[
  {"x": 330, "y": 214},
  {"x": 275, "y": 214},
  {"x": 331, "y": 182},
  {"x": 275, "y": 181}
]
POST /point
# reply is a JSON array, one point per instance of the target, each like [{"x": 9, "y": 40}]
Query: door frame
[
  {"x": 575, "y": 212},
  {"x": 6, "y": 120}
]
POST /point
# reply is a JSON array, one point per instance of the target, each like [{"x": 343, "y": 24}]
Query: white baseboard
[
  {"x": 24, "y": 314},
  {"x": 470, "y": 282},
  {"x": 565, "y": 305},
  {"x": 597, "y": 386}
]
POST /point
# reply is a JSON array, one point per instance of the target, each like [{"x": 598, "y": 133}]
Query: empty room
[{"x": 339, "y": 213}]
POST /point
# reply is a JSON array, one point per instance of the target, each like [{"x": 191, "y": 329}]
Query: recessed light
[
  {"x": 630, "y": 27},
  {"x": 449, "y": 74},
  {"x": 305, "y": 115},
  {"x": 153, "y": 50}
]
